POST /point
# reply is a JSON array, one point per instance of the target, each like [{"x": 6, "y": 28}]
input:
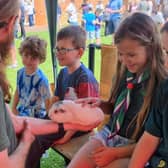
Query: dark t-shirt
[
  {"x": 79, "y": 84},
  {"x": 157, "y": 123},
  {"x": 136, "y": 99},
  {"x": 7, "y": 134}
]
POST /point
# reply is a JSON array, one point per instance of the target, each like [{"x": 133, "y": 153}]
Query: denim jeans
[{"x": 31, "y": 20}]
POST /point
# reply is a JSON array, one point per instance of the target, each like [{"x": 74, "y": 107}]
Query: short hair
[
  {"x": 165, "y": 28},
  {"x": 76, "y": 33},
  {"x": 35, "y": 47}
]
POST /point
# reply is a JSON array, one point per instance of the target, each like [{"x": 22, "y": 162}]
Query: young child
[
  {"x": 140, "y": 69},
  {"x": 72, "y": 13},
  {"x": 89, "y": 20},
  {"x": 75, "y": 80},
  {"x": 152, "y": 149},
  {"x": 32, "y": 94},
  {"x": 164, "y": 37},
  {"x": 100, "y": 7}
]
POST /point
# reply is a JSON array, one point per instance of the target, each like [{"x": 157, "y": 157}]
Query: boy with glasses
[{"x": 74, "y": 80}]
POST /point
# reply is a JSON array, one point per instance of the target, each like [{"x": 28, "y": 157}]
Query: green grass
[{"x": 54, "y": 160}]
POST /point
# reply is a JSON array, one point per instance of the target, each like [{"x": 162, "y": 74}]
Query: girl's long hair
[{"x": 141, "y": 28}]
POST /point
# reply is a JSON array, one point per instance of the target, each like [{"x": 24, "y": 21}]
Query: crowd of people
[
  {"x": 110, "y": 15},
  {"x": 136, "y": 134},
  {"x": 93, "y": 17}
]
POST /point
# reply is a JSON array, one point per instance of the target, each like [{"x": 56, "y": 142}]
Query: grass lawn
[{"x": 54, "y": 160}]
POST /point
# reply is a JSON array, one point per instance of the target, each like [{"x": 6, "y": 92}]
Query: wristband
[{"x": 61, "y": 128}]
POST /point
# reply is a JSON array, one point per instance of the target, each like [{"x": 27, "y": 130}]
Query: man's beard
[{"x": 5, "y": 47}]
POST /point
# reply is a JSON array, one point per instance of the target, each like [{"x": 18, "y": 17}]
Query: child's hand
[
  {"x": 93, "y": 101},
  {"x": 103, "y": 156}
]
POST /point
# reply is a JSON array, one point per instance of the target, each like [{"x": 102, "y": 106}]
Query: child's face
[
  {"x": 164, "y": 36},
  {"x": 132, "y": 55},
  {"x": 30, "y": 63},
  {"x": 66, "y": 53}
]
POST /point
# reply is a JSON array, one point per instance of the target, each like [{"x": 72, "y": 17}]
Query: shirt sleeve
[
  {"x": 4, "y": 140},
  {"x": 154, "y": 121},
  {"x": 45, "y": 89}
]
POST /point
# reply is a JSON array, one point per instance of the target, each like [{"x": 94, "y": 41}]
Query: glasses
[{"x": 63, "y": 51}]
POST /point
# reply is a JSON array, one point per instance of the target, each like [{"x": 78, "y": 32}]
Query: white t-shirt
[
  {"x": 72, "y": 13},
  {"x": 29, "y": 8},
  {"x": 101, "y": 7}
]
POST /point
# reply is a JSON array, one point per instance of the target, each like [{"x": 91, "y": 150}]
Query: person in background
[
  {"x": 132, "y": 6},
  {"x": 89, "y": 21},
  {"x": 143, "y": 6},
  {"x": 165, "y": 9},
  {"x": 114, "y": 8},
  {"x": 72, "y": 13},
  {"x": 98, "y": 23},
  {"x": 30, "y": 12},
  {"x": 22, "y": 20},
  {"x": 100, "y": 7},
  {"x": 157, "y": 16},
  {"x": 150, "y": 7}
]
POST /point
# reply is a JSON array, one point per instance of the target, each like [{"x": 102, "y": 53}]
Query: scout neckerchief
[{"x": 123, "y": 101}]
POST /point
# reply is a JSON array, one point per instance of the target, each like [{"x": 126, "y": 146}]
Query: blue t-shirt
[
  {"x": 33, "y": 90},
  {"x": 115, "y": 5},
  {"x": 79, "y": 84},
  {"x": 89, "y": 21}
]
